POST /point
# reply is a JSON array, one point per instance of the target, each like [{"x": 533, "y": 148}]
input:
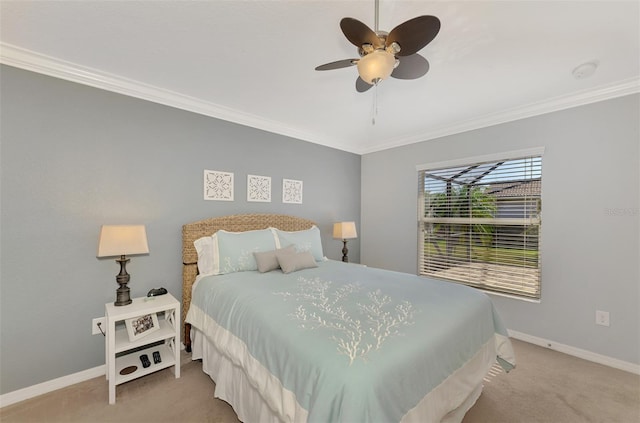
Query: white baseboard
[
  {"x": 51, "y": 385},
  {"x": 577, "y": 352},
  {"x": 62, "y": 382}
]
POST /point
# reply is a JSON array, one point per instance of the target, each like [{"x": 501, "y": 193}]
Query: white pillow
[{"x": 205, "y": 248}]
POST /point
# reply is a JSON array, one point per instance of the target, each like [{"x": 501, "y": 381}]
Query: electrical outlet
[
  {"x": 95, "y": 329},
  {"x": 602, "y": 318}
]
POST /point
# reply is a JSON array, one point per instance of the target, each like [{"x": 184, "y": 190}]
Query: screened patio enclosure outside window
[{"x": 479, "y": 224}]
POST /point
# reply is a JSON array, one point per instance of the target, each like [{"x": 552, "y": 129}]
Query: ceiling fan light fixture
[
  {"x": 376, "y": 66},
  {"x": 367, "y": 49},
  {"x": 394, "y": 48}
]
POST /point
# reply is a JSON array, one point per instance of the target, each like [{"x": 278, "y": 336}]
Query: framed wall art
[
  {"x": 291, "y": 191},
  {"x": 218, "y": 185},
  {"x": 259, "y": 188}
]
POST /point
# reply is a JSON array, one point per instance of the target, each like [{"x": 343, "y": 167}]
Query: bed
[{"x": 317, "y": 340}]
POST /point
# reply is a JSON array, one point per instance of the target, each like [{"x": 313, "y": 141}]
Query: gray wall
[
  {"x": 590, "y": 212},
  {"x": 74, "y": 158}
]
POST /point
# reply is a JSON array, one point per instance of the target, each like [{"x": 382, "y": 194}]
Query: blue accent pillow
[
  {"x": 234, "y": 250},
  {"x": 307, "y": 240}
]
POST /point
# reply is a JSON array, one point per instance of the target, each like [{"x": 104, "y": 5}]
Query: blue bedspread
[{"x": 352, "y": 343}]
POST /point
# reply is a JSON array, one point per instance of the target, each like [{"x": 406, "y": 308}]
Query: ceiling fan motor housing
[{"x": 366, "y": 48}]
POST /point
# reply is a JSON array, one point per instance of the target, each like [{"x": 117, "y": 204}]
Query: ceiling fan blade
[
  {"x": 411, "y": 67},
  {"x": 414, "y": 34},
  {"x": 358, "y": 33},
  {"x": 362, "y": 86},
  {"x": 337, "y": 64}
]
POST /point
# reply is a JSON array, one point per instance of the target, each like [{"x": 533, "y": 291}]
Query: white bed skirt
[{"x": 447, "y": 403}]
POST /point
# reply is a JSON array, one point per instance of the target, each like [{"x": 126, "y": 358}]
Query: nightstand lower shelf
[
  {"x": 160, "y": 316},
  {"x": 133, "y": 359}
]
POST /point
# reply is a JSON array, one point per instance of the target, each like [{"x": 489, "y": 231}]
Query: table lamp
[
  {"x": 122, "y": 240},
  {"x": 344, "y": 231}
]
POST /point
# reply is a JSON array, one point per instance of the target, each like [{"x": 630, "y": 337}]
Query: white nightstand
[{"x": 122, "y": 353}]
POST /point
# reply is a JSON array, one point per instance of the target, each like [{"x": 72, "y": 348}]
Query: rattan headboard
[{"x": 233, "y": 223}]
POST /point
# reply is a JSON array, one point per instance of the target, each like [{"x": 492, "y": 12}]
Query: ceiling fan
[{"x": 385, "y": 54}]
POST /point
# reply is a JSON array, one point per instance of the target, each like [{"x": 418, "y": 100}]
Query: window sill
[{"x": 513, "y": 297}]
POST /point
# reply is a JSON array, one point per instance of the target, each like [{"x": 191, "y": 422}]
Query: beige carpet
[{"x": 547, "y": 386}]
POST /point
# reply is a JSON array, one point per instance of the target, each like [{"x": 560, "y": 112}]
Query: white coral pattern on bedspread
[{"x": 356, "y": 332}]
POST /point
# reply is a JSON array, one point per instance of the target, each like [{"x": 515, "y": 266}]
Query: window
[{"x": 479, "y": 222}]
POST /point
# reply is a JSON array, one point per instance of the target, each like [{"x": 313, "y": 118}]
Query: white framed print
[
  {"x": 218, "y": 185},
  {"x": 141, "y": 326},
  {"x": 291, "y": 191},
  {"x": 259, "y": 188}
]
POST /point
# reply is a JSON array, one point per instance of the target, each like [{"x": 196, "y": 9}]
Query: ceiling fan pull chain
[{"x": 374, "y": 110}]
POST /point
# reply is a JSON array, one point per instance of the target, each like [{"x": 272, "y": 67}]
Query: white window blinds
[{"x": 479, "y": 224}]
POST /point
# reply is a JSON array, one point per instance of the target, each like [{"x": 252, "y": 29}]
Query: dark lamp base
[
  {"x": 345, "y": 251},
  {"x": 123, "y": 297},
  {"x": 122, "y": 294}
]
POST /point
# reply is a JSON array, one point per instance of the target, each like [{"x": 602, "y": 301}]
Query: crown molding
[
  {"x": 605, "y": 92},
  {"x": 28, "y": 60}
]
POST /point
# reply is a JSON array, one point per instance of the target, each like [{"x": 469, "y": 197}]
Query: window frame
[{"x": 498, "y": 223}]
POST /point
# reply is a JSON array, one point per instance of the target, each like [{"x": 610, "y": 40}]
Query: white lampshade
[
  {"x": 376, "y": 66},
  {"x": 344, "y": 230},
  {"x": 118, "y": 240}
]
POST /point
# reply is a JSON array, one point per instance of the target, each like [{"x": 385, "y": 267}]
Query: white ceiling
[{"x": 252, "y": 62}]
